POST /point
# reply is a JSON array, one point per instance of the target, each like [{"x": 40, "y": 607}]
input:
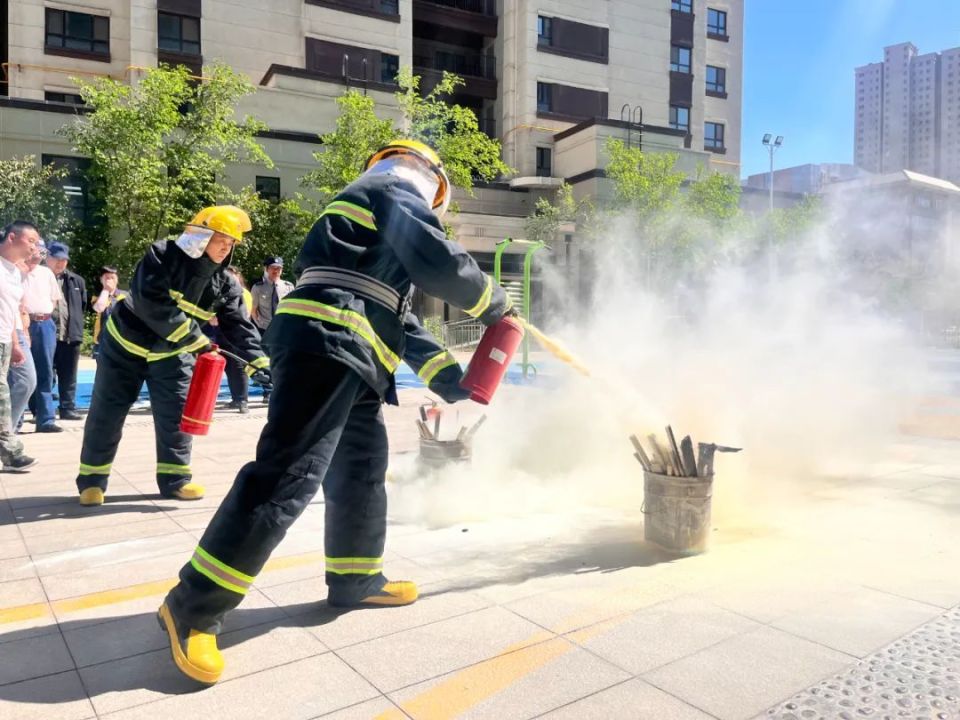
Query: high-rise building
[
  {"x": 907, "y": 114},
  {"x": 552, "y": 79}
]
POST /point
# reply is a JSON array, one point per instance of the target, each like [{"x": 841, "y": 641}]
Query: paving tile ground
[{"x": 522, "y": 615}]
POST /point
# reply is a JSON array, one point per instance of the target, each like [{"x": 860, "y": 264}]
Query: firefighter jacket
[
  {"x": 171, "y": 296},
  {"x": 356, "y": 271}
]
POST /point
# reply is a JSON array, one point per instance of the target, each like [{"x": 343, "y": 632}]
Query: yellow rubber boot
[
  {"x": 91, "y": 496},
  {"x": 393, "y": 594},
  {"x": 195, "y": 654},
  {"x": 190, "y": 491}
]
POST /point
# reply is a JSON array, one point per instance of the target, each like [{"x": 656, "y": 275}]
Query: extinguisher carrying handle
[{"x": 260, "y": 376}]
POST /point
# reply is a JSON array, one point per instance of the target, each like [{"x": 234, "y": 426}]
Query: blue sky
[{"x": 798, "y": 62}]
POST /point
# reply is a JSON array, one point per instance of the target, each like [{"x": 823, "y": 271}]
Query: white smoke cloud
[{"x": 806, "y": 375}]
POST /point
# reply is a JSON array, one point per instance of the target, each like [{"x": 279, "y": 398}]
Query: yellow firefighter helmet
[
  {"x": 227, "y": 219},
  {"x": 425, "y": 153}
]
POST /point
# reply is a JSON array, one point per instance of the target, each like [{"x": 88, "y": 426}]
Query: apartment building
[
  {"x": 552, "y": 79},
  {"x": 907, "y": 114}
]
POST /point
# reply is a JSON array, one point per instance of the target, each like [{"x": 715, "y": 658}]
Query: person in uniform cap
[
  {"x": 268, "y": 292},
  {"x": 66, "y": 358}
]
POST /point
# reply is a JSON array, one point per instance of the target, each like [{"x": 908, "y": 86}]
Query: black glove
[
  {"x": 450, "y": 393},
  {"x": 263, "y": 378},
  {"x": 512, "y": 312}
]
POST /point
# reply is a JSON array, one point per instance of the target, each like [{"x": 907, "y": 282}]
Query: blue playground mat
[{"x": 406, "y": 379}]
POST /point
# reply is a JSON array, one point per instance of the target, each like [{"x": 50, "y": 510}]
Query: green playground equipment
[{"x": 532, "y": 247}]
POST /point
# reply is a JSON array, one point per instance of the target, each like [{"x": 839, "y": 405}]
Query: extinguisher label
[{"x": 498, "y": 356}]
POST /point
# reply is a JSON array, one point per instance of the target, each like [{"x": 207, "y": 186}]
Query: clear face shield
[
  {"x": 193, "y": 240},
  {"x": 417, "y": 174}
]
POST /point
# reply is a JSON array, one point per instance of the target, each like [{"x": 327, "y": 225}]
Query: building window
[
  {"x": 76, "y": 186},
  {"x": 679, "y": 59},
  {"x": 74, "y": 32},
  {"x": 544, "y": 162},
  {"x": 68, "y": 98},
  {"x": 544, "y": 97},
  {"x": 680, "y": 118},
  {"x": 389, "y": 67},
  {"x": 713, "y": 136},
  {"x": 716, "y": 23},
  {"x": 684, "y": 6},
  {"x": 268, "y": 188},
  {"x": 177, "y": 33},
  {"x": 544, "y": 30},
  {"x": 716, "y": 80}
]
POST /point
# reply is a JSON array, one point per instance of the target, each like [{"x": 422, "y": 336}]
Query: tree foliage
[
  {"x": 158, "y": 148},
  {"x": 547, "y": 217},
  {"x": 643, "y": 183},
  {"x": 279, "y": 228},
  {"x": 713, "y": 197},
  {"x": 29, "y": 191},
  {"x": 452, "y": 130}
]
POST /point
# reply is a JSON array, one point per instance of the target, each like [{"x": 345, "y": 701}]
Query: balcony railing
[
  {"x": 481, "y": 66},
  {"x": 482, "y": 7}
]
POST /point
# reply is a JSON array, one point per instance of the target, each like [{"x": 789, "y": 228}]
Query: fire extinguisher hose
[{"x": 232, "y": 356}]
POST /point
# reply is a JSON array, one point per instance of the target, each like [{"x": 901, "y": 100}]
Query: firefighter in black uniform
[
  {"x": 151, "y": 336},
  {"x": 335, "y": 344}
]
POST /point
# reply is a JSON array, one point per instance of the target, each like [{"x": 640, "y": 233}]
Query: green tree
[
  {"x": 279, "y": 228},
  {"x": 358, "y": 134},
  {"x": 29, "y": 191},
  {"x": 714, "y": 197},
  {"x": 790, "y": 224},
  {"x": 452, "y": 130},
  {"x": 544, "y": 223},
  {"x": 158, "y": 148},
  {"x": 643, "y": 183}
]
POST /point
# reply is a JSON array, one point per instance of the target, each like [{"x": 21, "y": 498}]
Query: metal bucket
[
  {"x": 677, "y": 512},
  {"x": 436, "y": 454}
]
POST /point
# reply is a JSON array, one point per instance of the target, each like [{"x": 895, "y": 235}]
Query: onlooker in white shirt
[
  {"x": 42, "y": 294},
  {"x": 22, "y": 378},
  {"x": 19, "y": 239}
]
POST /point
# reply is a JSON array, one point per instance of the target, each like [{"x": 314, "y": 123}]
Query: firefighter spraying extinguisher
[
  {"x": 152, "y": 336},
  {"x": 335, "y": 343}
]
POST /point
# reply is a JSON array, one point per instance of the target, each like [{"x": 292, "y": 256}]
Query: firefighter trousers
[
  {"x": 324, "y": 429},
  {"x": 116, "y": 387}
]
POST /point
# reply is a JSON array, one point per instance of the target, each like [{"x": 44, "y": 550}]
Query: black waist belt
[{"x": 359, "y": 284}]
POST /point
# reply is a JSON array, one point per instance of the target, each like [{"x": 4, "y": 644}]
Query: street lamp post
[{"x": 771, "y": 144}]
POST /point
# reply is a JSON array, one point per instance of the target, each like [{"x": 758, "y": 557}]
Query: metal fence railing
[{"x": 462, "y": 333}]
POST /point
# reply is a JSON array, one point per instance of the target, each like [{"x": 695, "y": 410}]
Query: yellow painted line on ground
[
  {"x": 469, "y": 687},
  {"x": 20, "y": 613}
]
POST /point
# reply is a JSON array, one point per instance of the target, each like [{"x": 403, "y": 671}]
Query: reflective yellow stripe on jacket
[
  {"x": 191, "y": 309},
  {"x": 146, "y": 354},
  {"x": 345, "y": 318},
  {"x": 434, "y": 365},
  {"x": 256, "y": 364},
  {"x": 361, "y": 216},
  {"x": 484, "y": 302}
]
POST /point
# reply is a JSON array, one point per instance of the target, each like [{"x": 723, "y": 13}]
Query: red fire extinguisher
[
  {"x": 202, "y": 396},
  {"x": 490, "y": 362}
]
